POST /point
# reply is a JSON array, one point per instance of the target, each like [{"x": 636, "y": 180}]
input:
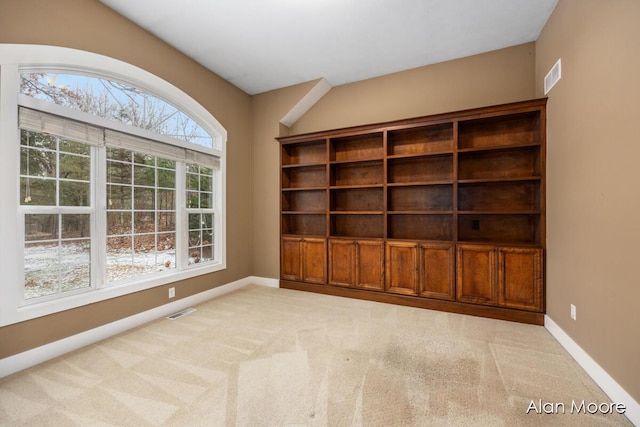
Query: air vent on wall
[
  {"x": 552, "y": 77},
  {"x": 179, "y": 314}
]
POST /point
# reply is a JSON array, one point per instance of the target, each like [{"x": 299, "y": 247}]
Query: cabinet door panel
[
  {"x": 476, "y": 274},
  {"x": 401, "y": 268},
  {"x": 291, "y": 259},
  {"x": 437, "y": 271},
  {"x": 314, "y": 261},
  {"x": 370, "y": 265},
  {"x": 520, "y": 278},
  {"x": 342, "y": 262}
]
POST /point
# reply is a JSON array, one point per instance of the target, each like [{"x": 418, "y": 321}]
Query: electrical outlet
[
  {"x": 172, "y": 292},
  {"x": 573, "y": 312}
]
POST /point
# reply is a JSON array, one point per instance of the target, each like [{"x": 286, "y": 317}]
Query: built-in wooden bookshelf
[{"x": 444, "y": 211}]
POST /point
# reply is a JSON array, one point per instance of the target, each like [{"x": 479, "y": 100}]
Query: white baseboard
[
  {"x": 264, "y": 281},
  {"x": 29, "y": 358},
  {"x": 615, "y": 392}
]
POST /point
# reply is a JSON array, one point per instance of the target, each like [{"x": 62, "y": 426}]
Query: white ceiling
[{"x": 260, "y": 45}]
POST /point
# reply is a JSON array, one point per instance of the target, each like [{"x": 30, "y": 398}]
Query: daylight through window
[
  {"x": 139, "y": 188},
  {"x": 115, "y": 101},
  {"x": 141, "y": 214},
  {"x": 55, "y": 178},
  {"x": 109, "y": 187}
]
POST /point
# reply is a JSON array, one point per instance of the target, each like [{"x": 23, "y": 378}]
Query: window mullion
[
  {"x": 217, "y": 216},
  {"x": 59, "y": 266},
  {"x": 99, "y": 231},
  {"x": 181, "y": 216},
  {"x": 57, "y": 198}
]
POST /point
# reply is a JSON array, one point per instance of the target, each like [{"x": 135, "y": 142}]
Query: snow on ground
[{"x": 42, "y": 277}]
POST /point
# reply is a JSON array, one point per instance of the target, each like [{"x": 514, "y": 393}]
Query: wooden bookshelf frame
[{"x": 444, "y": 211}]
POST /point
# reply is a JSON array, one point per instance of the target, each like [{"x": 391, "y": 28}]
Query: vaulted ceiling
[{"x": 260, "y": 45}]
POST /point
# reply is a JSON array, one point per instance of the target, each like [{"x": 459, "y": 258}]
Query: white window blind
[
  {"x": 166, "y": 151},
  {"x": 203, "y": 159},
  {"x": 48, "y": 123},
  {"x": 39, "y": 121},
  {"x": 126, "y": 141}
]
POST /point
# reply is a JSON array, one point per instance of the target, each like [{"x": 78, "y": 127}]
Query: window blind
[
  {"x": 39, "y": 121},
  {"x": 202, "y": 159},
  {"x": 172, "y": 152},
  {"x": 61, "y": 126},
  {"x": 126, "y": 141}
]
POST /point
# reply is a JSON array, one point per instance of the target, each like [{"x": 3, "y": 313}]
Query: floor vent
[{"x": 179, "y": 314}]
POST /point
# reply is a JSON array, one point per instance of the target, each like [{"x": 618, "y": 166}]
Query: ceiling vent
[
  {"x": 179, "y": 314},
  {"x": 552, "y": 77}
]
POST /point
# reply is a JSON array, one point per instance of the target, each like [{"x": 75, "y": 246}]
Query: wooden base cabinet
[
  {"x": 437, "y": 271},
  {"x": 520, "y": 278},
  {"x": 356, "y": 263},
  {"x": 500, "y": 276},
  {"x": 304, "y": 259},
  {"x": 476, "y": 274},
  {"x": 401, "y": 267},
  {"x": 424, "y": 269}
]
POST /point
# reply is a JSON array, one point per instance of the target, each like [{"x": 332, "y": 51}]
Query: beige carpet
[{"x": 273, "y": 357}]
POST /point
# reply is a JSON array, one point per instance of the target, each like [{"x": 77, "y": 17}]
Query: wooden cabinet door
[
  {"x": 437, "y": 271},
  {"x": 520, "y": 278},
  {"x": 476, "y": 274},
  {"x": 370, "y": 264},
  {"x": 342, "y": 262},
  {"x": 401, "y": 267},
  {"x": 291, "y": 258},
  {"x": 314, "y": 260}
]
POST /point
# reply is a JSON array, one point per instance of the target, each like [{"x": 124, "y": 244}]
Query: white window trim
[
  {"x": 57, "y": 209},
  {"x": 13, "y": 59}
]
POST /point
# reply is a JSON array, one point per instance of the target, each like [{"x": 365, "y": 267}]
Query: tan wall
[
  {"x": 268, "y": 109},
  {"x": 492, "y": 78},
  {"x": 496, "y": 77},
  {"x": 90, "y": 26},
  {"x": 592, "y": 188}
]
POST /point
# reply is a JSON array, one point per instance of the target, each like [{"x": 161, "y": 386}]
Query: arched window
[
  {"x": 112, "y": 181},
  {"x": 115, "y": 101}
]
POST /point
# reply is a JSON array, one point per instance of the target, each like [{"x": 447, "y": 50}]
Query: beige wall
[
  {"x": 593, "y": 175},
  {"x": 496, "y": 77},
  {"x": 90, "y": 26},
  {"x": 492, "y": 78},
  {"x": 268, "y": 109}
]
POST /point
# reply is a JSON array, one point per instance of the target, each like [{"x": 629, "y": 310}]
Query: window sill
[{"x": 35, "y": 309}]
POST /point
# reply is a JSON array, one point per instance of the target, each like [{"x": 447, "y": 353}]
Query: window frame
[
  {"x": 15, "y": 59},
  {"x": 59, "y": 210},
  {"x": 133, "y": 210},
  {"x": 188, "y": 210}
]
